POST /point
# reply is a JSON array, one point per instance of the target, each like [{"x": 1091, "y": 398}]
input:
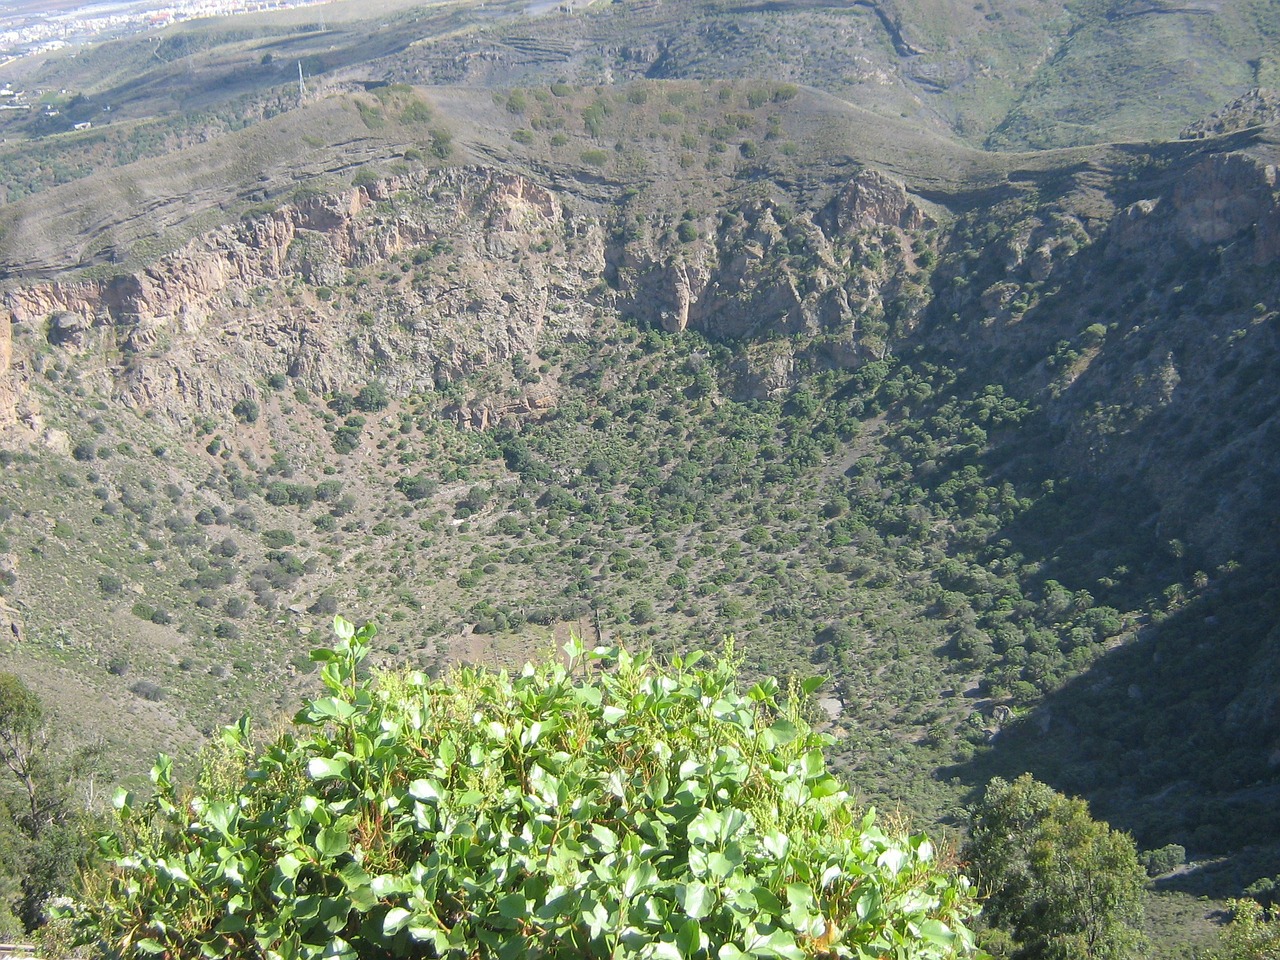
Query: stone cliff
[
  {"x": 1142, "y": 335},
  {"x": 423, "y": 279},
  {"x": 427, "y": 279},
  {"x": 283, "y": 292}
]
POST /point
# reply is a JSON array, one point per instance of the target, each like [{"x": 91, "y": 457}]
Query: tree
[
  {"x": 246, "y": 410},
  {"x": 1063, "y": 885},
  {"x": 642, "y": 612},
  {"x": 372, "y": 397},
  {"x": 419, "y": 487},
  {"x": 24, "y": 745},
  {"x": 607, "y": 808},
  {"x": 1167, "y": 858},
  {"x": 1252, "y": 934},
  {"x": 45, "y": 841}
]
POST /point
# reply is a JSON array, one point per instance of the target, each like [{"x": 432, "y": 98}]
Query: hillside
[{"x": 600, "y": 337}]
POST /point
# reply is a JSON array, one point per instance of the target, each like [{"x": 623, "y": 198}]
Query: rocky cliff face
[
  {"x": 1192, "y": 350},
  {"x": 422, "y": 280},
  {"x": 1149, "y": 337},
  {"x": 1223, "y": 198},
  {"x": 428, "y": 279},
  {"x": 497, "y": 260},
  {"x": 762, "y": 270}
]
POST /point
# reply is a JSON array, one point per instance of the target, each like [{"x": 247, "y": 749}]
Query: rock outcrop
[
  {"x": 764, "y": 268},
  {"x": 1225, "y": 197},
  {"x": 497, "y": 260},
  {"x": 450, "y": 272}
]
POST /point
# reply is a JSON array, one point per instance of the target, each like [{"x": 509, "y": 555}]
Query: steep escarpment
[
  {"x": 430, "y": 278},
  {"x": 762, "y": 268},
  {"x": 291, "y": 291},
  {"x": 1148, "y": 337}
]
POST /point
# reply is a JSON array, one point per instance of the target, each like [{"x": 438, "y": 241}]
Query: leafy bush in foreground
[
  {"x": 607, "y": 809},
  {"x": 1252, "y": 934}
]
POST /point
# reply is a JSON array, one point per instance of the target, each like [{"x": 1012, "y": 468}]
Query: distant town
[{"x": 33, "y": 29}]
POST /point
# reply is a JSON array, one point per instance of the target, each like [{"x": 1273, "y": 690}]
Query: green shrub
[
  {"x": 246, "y": 410},
  {"x": 148, "y": 690},
  {"x": 346, "y": 438},
  {"x": 604, "y": 809},
  {"x": 1057, "y": 882},
  {"x": 1162, "y": 861},
  {"x": 419, "y": 487},
  {"x": 277, "y": 539},
  {"x": 372, "y": 397},
  {"x": 415, "y": 111},
  {"x": 441, "y": 143},
  {"x": 1252, "y": 934}
]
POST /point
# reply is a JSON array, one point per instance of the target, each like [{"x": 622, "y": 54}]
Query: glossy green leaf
[
  {"x": 780, "y": 944},
  {"x": 689, "y": 938},
  {"x": 325, "y": 768},
  {"x": 331, "y": 842},
  {"x": 892, "y": 860},
  {"x": 513, "y": 906},
  {"x": 937, "y": 932},
  {"x": 387, "y": 884},
  {"x": 588, "y": 696},
  {"x": 606, "y": 838},
  {"x": 425, "y": 790},
  {"x": 231, "y": 923},
  {"x": 812, "y": 765},
  {"x": 640, "y": 877},
  {"x": 331, "y": 707},
  {"x": 784, "y": 731},
  {"x": 612, "y": 714},
  {"x": 397, "y": 919},
  {"x": 705, "y": 827},
  {"x": 697, "y": 900},
  {"x": 221, "y": 815},
  {"x": 338, "y": 949},
  {"x": 811, "y": 684}
]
